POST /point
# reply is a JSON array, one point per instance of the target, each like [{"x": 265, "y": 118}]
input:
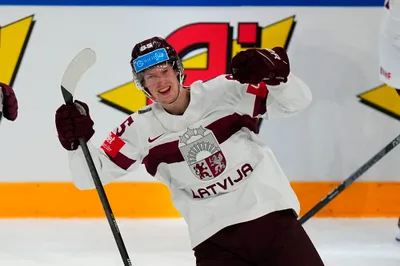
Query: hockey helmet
[{"x": 152, "y": 52}]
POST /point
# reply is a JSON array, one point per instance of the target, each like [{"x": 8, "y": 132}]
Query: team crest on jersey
[{"x": 202, "y": 153}]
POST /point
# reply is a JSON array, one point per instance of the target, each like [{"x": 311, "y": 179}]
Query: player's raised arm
[
  {"x": 115, "y": 158},
  {"x": 389, "y": 45},
  {"x": 267, "y": 86}
]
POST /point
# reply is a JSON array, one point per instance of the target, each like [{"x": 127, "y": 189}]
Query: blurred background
[
  {"x": 333, "y": 48},
  {"x": 332, "y": 45}
]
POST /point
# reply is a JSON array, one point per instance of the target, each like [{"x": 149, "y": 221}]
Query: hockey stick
[
  {"x": 75, "y": 70},
  {"x": 347, "y": 182}
]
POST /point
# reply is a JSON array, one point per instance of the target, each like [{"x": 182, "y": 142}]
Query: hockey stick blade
[
  {"x": 74, "y": 72},
  {"x": 81, "y": 63},
  {"x": 347, "y": 182}
]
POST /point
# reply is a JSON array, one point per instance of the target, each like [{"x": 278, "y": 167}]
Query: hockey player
[
  {"x": 389, "y": 52},
  {"x": 201, "y": 141},
  {"x": 8, "y": 103}
]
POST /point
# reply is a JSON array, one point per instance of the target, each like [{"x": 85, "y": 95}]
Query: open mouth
[{"x": 165, "y": 91}]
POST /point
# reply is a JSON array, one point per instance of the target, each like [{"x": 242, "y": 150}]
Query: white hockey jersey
[
  {"x": 218, "y": 170},
  {"x": 389, "y": 44}
]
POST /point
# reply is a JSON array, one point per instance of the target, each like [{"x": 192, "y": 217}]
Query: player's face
[{"x": 162, "y": 83}]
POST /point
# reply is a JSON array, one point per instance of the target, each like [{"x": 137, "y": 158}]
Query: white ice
[{"x": 78, "y": 242}]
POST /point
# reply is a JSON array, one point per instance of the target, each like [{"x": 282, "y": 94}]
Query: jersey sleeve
[
  {"x": 270, "y": 102},
  {"x": 117, "y": 156},
  {"x": 389, "y": 44},
  {"x": 394, "y": 8}
]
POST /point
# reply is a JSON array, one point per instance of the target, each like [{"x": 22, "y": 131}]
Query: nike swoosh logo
[{"x": 154, "y": 139}]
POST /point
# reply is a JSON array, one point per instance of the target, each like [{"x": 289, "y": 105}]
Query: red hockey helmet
[{"x": 152, "y": 52}]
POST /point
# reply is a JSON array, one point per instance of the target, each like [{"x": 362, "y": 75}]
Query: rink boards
[
  {"x": 333, "y": 49},
  {"x": 152, "y": 200}
]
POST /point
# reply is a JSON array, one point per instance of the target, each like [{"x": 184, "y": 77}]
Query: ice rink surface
[{"x": 30, "y": 242}]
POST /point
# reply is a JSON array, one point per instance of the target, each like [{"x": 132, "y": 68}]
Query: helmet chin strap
[
  {"x": 177, "y": 97},
  {"x": 154, "y": 100},
  {"x": 180, "y": 87}
]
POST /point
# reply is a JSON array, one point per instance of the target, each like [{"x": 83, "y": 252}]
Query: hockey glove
[
  {"x": 73, "y": 122},
  {"x": 10, "y": 103},
  {"x": 256, "y": 65}
]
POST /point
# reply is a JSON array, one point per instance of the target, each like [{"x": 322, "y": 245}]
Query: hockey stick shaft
[
  {"x": 106, "y": 205},
  {"x": 347, "y": 182},
  {"x": 102, "y": 195},
  {"x": 74, "y": 72}
]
